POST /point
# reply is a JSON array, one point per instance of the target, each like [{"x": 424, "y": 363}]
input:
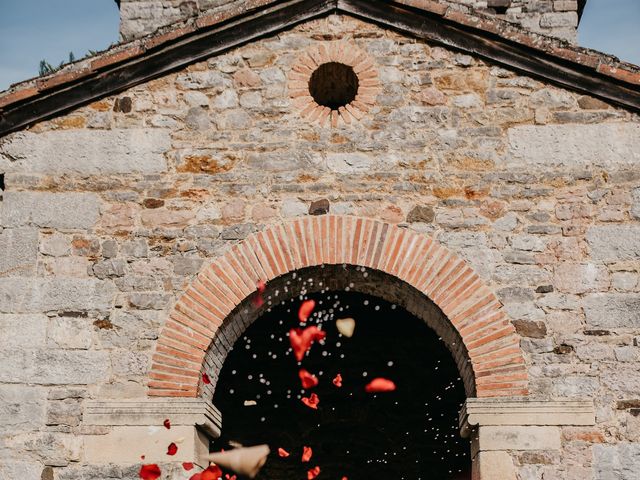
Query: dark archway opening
[
  {"x": 411, "y": 433},
  {"x": 333, "y": 85}
]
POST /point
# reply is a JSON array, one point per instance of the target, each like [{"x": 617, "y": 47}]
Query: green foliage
[{"x": 46, "y": 68}]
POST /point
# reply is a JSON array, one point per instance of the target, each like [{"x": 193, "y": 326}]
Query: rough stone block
[
  {"x": 86, "y": 151},
  {"x": 494, "y": 465},
  {"x": 609, "y": 145},
  {"x": 616, "y": 462},
  {"x": 22, "y": 331},
  {"x": 20, "y": 469},
  {"x": 19, "y": 248},
  {"x": 614, "y": 243},
  {"x": 22, "y": 408},
  {"x": 612, "y": 310},
  {"x": 349, "y": 162},
  {"x": 24, "y": 295},
  {"x": 55, "y": 210},
  {"x": 581, "y": 278},
  {"x": 506, "y": 437},
  {"x": 70, "y": 332}
]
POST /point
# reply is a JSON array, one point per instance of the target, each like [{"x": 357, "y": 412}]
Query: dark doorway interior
[{"x": 411, "y": 433}]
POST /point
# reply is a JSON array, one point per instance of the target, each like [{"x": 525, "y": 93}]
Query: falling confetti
[
  {"x": 283, "y": 453},
  {"x": 258, "y": 301},
  {"x": 337, "y": 381},
  {"x": 308, "y": 380},
  {"x": 212, "y": 472},
  {"x": 187, "y": 466},
  {"x": 346, "y": 326},
  {"x": 172, "y": 449},
  {"x": 312, "y": 401},
  {"x": 307, "y": 452},
  {"x": 301, "y": 340},
  {"x": 205, "y": 379},
  {"x": 313, "y": 473},
  {"x": 150, "y": 472},
  {"x": 380, "y": 385},
  {"x": 305, "y": 310},
  {"x": 167, "y": 424}
]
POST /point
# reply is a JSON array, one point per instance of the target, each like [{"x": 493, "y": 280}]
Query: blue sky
[{"x": 32, "y": 30}]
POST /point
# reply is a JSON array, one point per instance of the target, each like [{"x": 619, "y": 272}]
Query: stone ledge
[
  {"x": 520, "y": 411},
  {"x": 192, "y": 412}
]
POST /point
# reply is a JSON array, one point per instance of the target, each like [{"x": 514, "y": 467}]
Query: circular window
[{"x": 333, "y": 85}]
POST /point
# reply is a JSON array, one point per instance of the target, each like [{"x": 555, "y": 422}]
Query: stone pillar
[
  {"x": 498, "y": 426},
  {"x": 126, "y": 429}
]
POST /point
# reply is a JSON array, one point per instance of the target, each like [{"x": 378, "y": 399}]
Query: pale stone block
[
  {"x": 55, "y": 210},
  {"x": 22, "y": 408},
  {"x": 18, "y": 251},
  {"x": 612, "y": 310},
  {"x": 22, "y": 331},
  {"x": 614, "y": 243},
  {"x": 125, "y": 444},
  {"x": 86, "y": 151},
  {"x": 493, "y": 466},
  {"x": 509, "y": 437},
  {"x": 22, "y": 295},
  {"x": 607, "y": 145}
]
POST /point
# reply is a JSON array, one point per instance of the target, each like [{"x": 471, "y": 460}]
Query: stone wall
[
  {"x": 109, "y": 211},
  {"x": 556, "y": 18}
]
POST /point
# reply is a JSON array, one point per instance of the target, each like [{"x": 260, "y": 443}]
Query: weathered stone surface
[
  {"x": 580, "y": 278},
  {"x": 23, "y": 331},
  {"x": 54, "y": 367},
  {"x": 319, "y": 207},
  {"x": 573, "y": 146},
  {"x": 421, "y": 213},
  {"x": 22, "y": 408},
  {"x": 18, "y": 248},
  {"x": 505, "y": 437},
  {"x": 616, "y": 462},
  {"x": 613, "y": 243},
  {"x": 10, "y": 469},
  {"x": 86, "y": 151},
  {"x": 69, "y": 332},
  {"x": 349, "y": 163},
  {"x": 24, "y": 295},
  {"x": 612, "y": 310},
  {"x": 56, "y": 210}
]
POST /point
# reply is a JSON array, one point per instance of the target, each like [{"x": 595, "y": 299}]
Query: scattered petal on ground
[
  {"x": 187, "y": 466},
  {"x": 205, "y": 379},
  {"x": 150, "y": 472},
  {"x": 167, "y": 424},
  {"x": 172, "y": 449}
]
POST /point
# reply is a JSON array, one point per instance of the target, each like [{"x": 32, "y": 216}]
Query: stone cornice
[{"x": 521, "y": 411}]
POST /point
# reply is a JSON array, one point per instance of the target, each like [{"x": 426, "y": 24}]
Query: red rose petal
[
  {"x": 187, "y": 466},
  {"x": 258, "y": 301},
  {"x": 167, "y": 424},
  {"x": 212, "y": 472},
  {"x": 380, "y": 385},
  {"x": 172, "y": 449},
  {"x": 308, "y": 380},
  {"x": 306, "y": 454},
  {"x": 305, "y": 310},
  {"x": 313, "y": 473},
  {"x": 230, "y": 477},
  {"x": 283, "y": 453},
  {"x": 205, "y": 379},
  {"x": 312, "y": 401},
  {"x": 338, "y": 380},
  {"x": 150, "y": 472},
  {"x": 301, "y": 340},
  {"x": 142, "y": 457}
]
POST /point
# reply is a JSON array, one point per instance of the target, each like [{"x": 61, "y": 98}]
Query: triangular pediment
[{"x": 159, "y": 55}]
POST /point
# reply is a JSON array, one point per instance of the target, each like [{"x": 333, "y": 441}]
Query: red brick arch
[{"x": 492, "y": 345}]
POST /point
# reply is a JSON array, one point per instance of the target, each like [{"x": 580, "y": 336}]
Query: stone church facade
[{"x": 485, "y": 168}]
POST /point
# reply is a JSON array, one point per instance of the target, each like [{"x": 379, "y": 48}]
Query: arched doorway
[{"x": 410, "y": 433}]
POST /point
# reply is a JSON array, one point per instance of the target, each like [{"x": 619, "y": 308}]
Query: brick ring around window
[{"x": 334, "y": 83}]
